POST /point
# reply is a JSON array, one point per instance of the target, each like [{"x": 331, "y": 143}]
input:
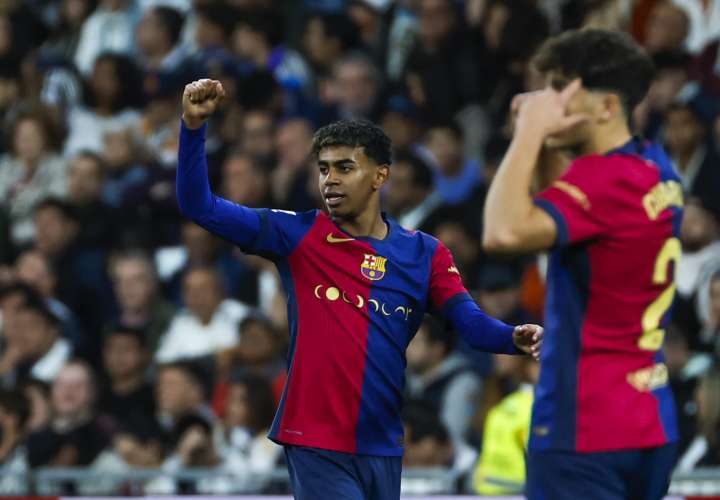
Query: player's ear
[
  {"x": 611, "y": 107},
  {"x": 382, "y": 174}
]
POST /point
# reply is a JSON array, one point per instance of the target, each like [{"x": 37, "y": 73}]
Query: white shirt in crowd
[
  {"x": 49, "y": 365},
  {"x": 187, "y": 337}
]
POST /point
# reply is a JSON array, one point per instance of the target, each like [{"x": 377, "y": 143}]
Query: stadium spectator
[
  {"x": 38, "y": 396},
  {"x": 456, "y": 177},
  {"x": 666, "y": 28},
  {"x": 428, "y": 444},
  {"x": 124, "y": 171},
  {"x": 356, "y": 88},
  {"x": 14, "y": 415},
  {"x": 499, "y": 291},
  {"x": 35, "y": 270},
  {"x": 289, "y": 180},
  {"x": 248, "y": 416},
  {"x": 400, "y": 121},
  {"x": 705, "y": 450},
  {"x": 30, "y": 171},
  {"x": 157, "y": 37},
  {"x": 75, "y": 435},
  {"x": 109, "y": 29},
  {"x": 258, "y": 38},
  {"x": 200, "y": 248},
  {"x": 704, "y": 26},
  {"x": 411, "y": 197},
  {"x": 33, "y": 345},
  {"x": 440, "y": 376},
  {"x": 64, "y": 36},
  {"x": 686, "y": 135},
  {"x": 129, "y": 397},
  {"x": 326, "y": 38},
  {"x": 258, "y": 136},
  {"x": 138, "y": 296},
  {"x": 708, "y": 309},
  {"x": 99, "y": 226},
  {"x": 83, "y": 284},
  {"x": 208, "y": 323},
  {"x": 501, "y": 467},
  {"x": 244, "y": 181},
  {"x": 180, "y": 389},
  {"x": 111, "y": 98}
]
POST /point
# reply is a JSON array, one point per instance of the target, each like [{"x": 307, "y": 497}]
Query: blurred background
[{"x": 141, "y": 355}]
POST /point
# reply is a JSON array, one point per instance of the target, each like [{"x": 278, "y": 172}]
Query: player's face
[
  {"x": 581, "y": 102},
  {"x": 348, "y": 179}
]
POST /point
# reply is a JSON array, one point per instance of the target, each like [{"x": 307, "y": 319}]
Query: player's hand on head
[
  {"x": 200, "y": 99},
  {"x": 529, "y": 338},
  {"x": 546, "y": 111}
]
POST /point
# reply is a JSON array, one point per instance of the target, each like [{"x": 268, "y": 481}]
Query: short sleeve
[
  {"x": 446, "y": 286},
  {"x": 578, "y": 201},
  {"x": 281, "y": 231}
]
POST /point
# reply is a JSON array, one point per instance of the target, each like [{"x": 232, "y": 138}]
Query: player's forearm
[
  {"x": 229, "y": 220},
  {"x": 479, "y": 330},
  {"x": 509, "y": 204}
]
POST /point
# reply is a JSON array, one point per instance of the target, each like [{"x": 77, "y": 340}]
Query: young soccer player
[
  {"x": 603, "y": 424},
  {"x": 358, "y": 286}
]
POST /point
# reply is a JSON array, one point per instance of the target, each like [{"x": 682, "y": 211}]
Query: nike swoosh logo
[{"x": 333, "y": 239}]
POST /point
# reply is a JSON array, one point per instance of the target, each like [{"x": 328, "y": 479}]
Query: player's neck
[
  {"x": 606, "y": 138},
  {"x": 369, "y": 223}
]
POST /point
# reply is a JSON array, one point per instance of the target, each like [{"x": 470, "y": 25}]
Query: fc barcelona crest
[{"x": 373, "y": 267}]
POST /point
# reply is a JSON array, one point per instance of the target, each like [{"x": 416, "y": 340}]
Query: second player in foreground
[{"x": 358, "y": 286}]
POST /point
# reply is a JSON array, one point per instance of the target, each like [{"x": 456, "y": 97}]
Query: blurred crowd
[{"x": 131, "y": 338}]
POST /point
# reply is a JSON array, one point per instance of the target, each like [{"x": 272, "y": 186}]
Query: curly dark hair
[
  {"x": 355, "y": 133},
  {"x": 603, "y": 59}
]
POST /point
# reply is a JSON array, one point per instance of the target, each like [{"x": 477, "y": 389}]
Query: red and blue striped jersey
[
  {"x": 603, "y": 381},
  {"x": 354, "y": 304}
]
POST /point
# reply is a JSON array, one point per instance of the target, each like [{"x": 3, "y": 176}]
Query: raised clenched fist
[{"x": 200, "y": 99}]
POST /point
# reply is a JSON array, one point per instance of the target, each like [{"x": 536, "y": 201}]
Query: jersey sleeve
[
  {"x": 579, "y": 201},
  {"x": 446, "y": 286},
  {"x": 280, "y": 231}
]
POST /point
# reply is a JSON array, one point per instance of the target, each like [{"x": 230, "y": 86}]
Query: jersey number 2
[{"x": 653, "y": 336}]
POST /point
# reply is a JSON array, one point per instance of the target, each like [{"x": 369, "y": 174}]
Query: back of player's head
[
  {"x": 355, "y": 133},
  {"x": 604, "y": 60}
]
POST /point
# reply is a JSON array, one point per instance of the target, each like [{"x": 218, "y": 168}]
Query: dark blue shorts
[
  {"x": 617, "y": 475},
  {"x": 319, "y": 474}
]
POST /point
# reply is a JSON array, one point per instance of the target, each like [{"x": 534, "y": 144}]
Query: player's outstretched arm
[{"x": 231, "y": 221}]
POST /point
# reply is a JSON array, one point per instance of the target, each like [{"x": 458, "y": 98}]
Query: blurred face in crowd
[
  {"x": 124, "y": 356},
  {"x": 666, "y": 28},
  {"x": 293, "y": 142},
  {"x": 422, "y": 354},
  {"x": 320, "y": 49},
  {"x": 85, "y": 179},
  {"x": 447, "y": 149},
  {"x": 243, "y": 181},
  {"x": 104, "y": 81},
  {"x": 34, "y": 269},
  {"x": 495, "y": 21},
  {"x": 402, "y": 131},
  {"x": 177, "y": 392},
  {"x": 248, "y": 43},
  {"x": 683, "y": 132},
  {"x": 74, "y": 12},
  {"x": 699, "y": 228},
  {"x": 238, "y": 412},
  {"x": 151, "y": 36},
  {"x": 200, "y": 244},
  {"x": 676, "y": 352},
  {"x": 402, "y": 194},
  {"x": 72, "y": 391},
  {"x": 257, "y": 343},
  {"x": 258, "y": 135},
  {"x": 355, "y": 86},
  {"x": 134, "y": 284},
  {"x": 208, "y": 34},
  {"x": 37, "y": 334},
  {"x": 707, "y": 397},
  {"x": 348, "y": 179},
  {"x": 119, "y": 151},
  {"x": 202, "y": 293},
  {"x": 500, "y": 303},
  {"x": 426, "y": 452},
  {"x": 463, "y": 247},
  {"x": 29, "y": 141},
  {"x": 437, "y": 20},
  {"x": 10, "y": 305}
]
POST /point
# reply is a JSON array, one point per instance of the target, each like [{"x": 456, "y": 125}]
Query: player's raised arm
[
  {"x": 236, "y": 223},
  {"x": 480, "y": 331}
]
